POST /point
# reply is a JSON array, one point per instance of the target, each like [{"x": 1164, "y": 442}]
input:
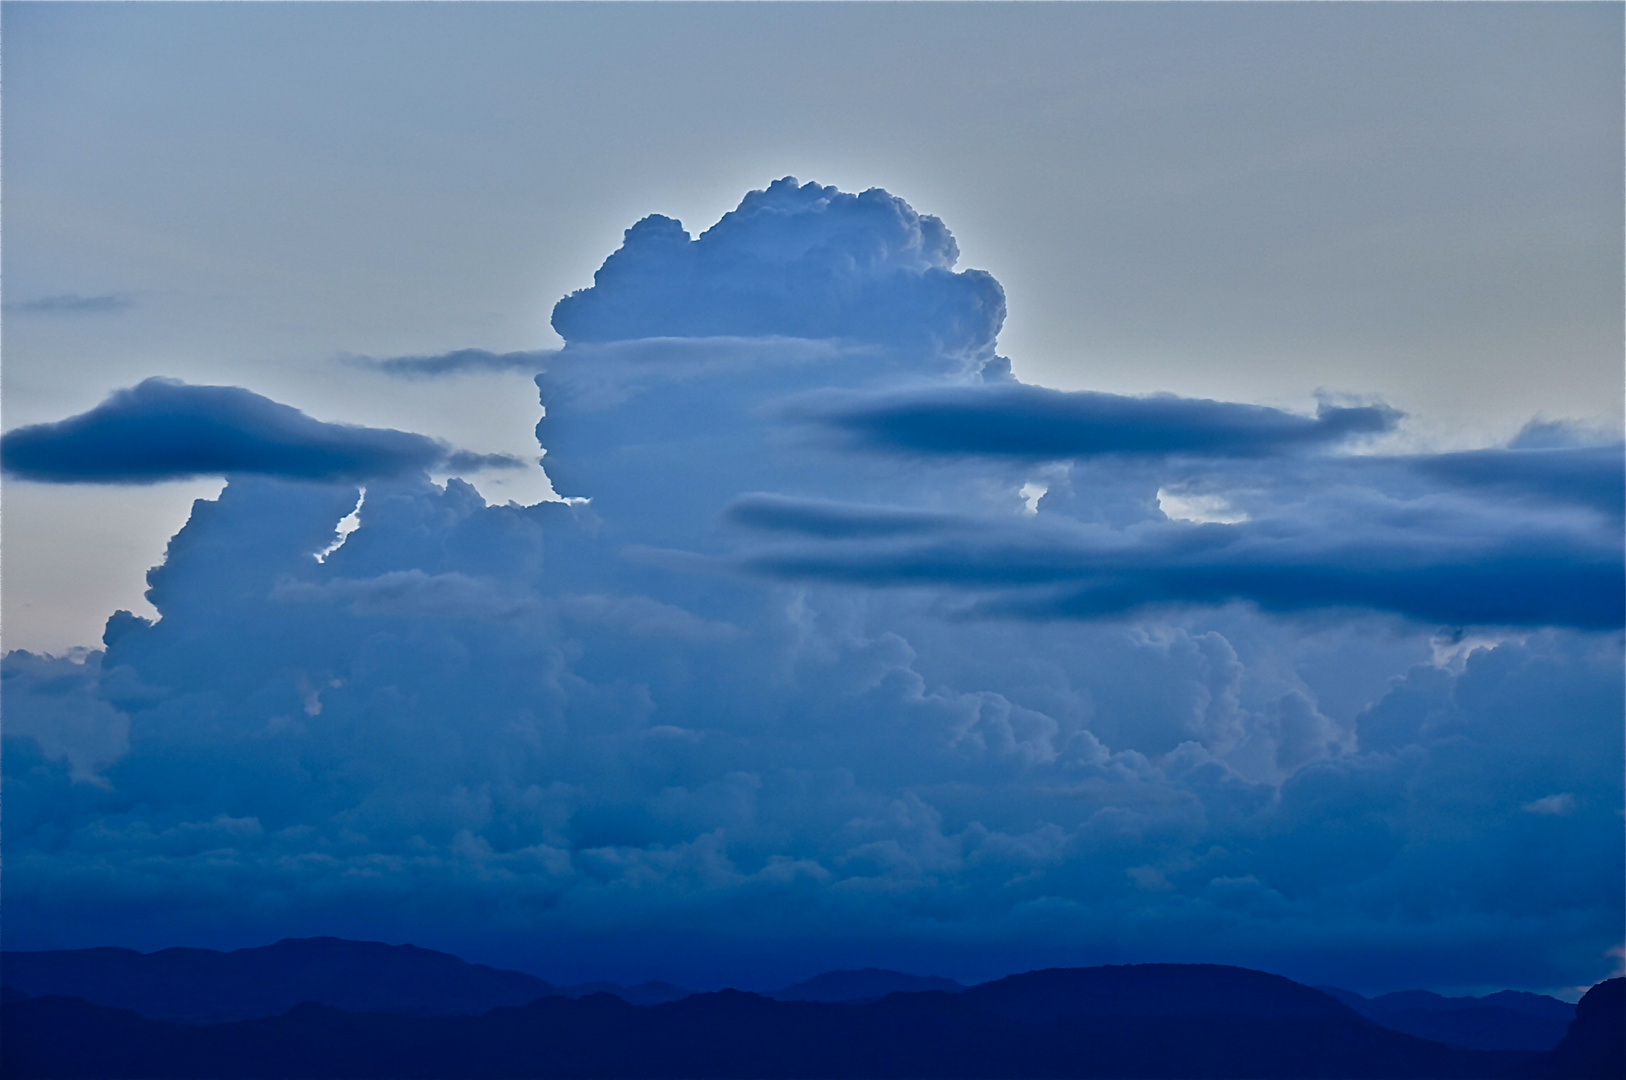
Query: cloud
[
  {"x": 1548, "y": 434},
  {"x": 1590, "y": 475},
  {"x": 454, "y": 363},
  {"x": 796, "y": 260},
  {"x": 833, "y": 520},
  {"x": 762, "y": 704},
  {"x": 1202, "y": 509},
  {"x": 1562, "y": 804},
  {"x": 72, "y": 304},
  {"x": 1446, "y": 562},
  {"x": 1036, "y": 423},
  {"x": 163, "y": 429},
  {"x": 595, "y": 376},
  {"x": 409, "y": 594},
  {"x": 55, "y": 702}
]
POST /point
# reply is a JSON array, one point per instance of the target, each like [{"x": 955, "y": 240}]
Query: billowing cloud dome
[{"x": 800, "y": 261}]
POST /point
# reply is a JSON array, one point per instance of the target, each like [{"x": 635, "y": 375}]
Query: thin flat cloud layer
[
  {"x": 71, "y": 304},
  {"x": 1589, "y": 475},
  {"x": 1443, "y": 563},
  {"x": 456, "y": 362},
  {"x": 1035, "y": 423},
  {"x": 163, "y": 429},
  {"x": 846, "y": 650}
]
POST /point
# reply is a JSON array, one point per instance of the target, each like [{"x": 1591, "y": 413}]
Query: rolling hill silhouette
[
  {"x": 1507, "y": 1020},
  {"x": 1142, "y": 1021},
  {"x": 864, "y": 984},
  {"x": 206, "y": 986}
]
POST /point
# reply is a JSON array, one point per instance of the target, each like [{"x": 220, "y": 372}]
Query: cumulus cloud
[
  {"x": 1036, "y": 423},
  {"x": 797, "y": 260},
  {"x": 760, "y": 704},
  {"x": 55, "y": 701},
  {"x": 164, "y": 429}
]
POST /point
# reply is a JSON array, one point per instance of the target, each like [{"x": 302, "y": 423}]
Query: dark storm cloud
[
  {"x": 1033, "y": 422},
  {"x": 163, "y": 429}
]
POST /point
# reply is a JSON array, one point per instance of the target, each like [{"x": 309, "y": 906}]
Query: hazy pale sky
[{"x": 1250, "y": 202}]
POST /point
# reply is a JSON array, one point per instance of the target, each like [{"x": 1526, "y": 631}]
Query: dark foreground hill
[
  {"x": 1508, "y": 1020},
  {"x": 206, "y": 986},
  {"x": 1594, "y": 1048},
  {"x": 1148, "y": 1021}
]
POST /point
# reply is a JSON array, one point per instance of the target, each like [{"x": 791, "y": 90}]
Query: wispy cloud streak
[{"x": 72, "y": 304}]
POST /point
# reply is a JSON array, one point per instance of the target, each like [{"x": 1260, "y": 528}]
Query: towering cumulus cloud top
[
  {"x": 794, "y": 261},
  {"x": 858, "y": 652}
]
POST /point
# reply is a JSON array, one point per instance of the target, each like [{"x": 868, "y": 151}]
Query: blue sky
[{"x": 1178, "y": 518}]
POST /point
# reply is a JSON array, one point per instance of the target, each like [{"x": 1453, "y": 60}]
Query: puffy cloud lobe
[
  {"x": 164, "y": 429},
  {"x": 1036, "y": 423},
  {"x": 56, "y": 702},
  {"x": 796, "y": 261}
]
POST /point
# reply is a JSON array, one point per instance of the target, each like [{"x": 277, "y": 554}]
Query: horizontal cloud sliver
[
  {"x": 1032, "y": 422},
  {"x": 1455, "y": 571},
  {"x": 457, "y": 362},
  {"x": 164, "y": 429}
]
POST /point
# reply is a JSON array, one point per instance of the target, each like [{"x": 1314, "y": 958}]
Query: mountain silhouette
[
  {"x": 1153, "y": 990},
  {"x": 644, "y": 993},
  {"x": 206, "y": 986},
  {"x": 865, "y": 984},
  {"x": 1142, "y": 1022},
  {"x": 1507, "y": 1020}
]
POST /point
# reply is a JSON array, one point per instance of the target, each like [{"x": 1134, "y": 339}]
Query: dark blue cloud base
[
  {"x": 1038, "y": 424},
  {"x": 164, "y": 429},
  {"x": 851, "y": 650}
]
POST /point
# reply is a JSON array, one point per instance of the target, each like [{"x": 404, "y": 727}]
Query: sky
[{"x": 1150, "y": 488}]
